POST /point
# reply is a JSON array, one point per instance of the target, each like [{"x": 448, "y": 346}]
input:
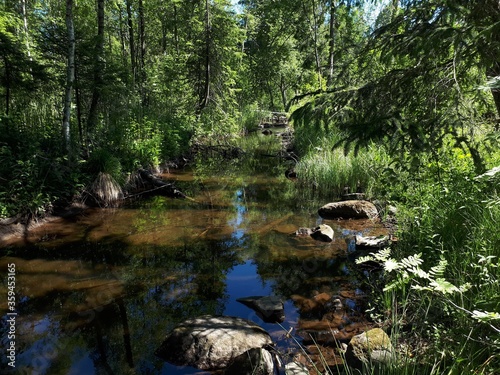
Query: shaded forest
[{"x": 113, "y": 86}]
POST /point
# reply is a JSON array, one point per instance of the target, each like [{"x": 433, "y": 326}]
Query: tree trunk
[
  {"x": 176, "y": 32},
  {"x": 122, "y": 34},
  {"x": 142, "y": 53},
  {"x": 83, "y": 138},
  {"x": 7, "y": 84},
  {"x": 70, "y": 76},
  {"x": 98, "y": 68},
  {"x": 206, "y": 91},
  {"x": 284, "y": 98},
  {"x": 142, "y": 35},
  {"x": 25, "y": 24},
  {"x": 394, "y": 9},
  {"x": 131, "y": 39},
  {"x": 492, "y": 72},
  {"x": 331, "y": 43},
  {"x": 314, "y": 31}
]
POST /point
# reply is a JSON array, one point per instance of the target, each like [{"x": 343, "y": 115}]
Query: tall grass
[{"x": 327, "y": 171}]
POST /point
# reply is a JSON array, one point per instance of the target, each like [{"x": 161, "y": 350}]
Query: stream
[{"x": 97, "y": 293}]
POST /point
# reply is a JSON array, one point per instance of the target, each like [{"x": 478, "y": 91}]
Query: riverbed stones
[
  {"x": 372, "y": 347},
  {"x": 211, "y": 342},
  {"x": 350, "y": 209},
  {"x": 323, "y": 233},
  {"x": 269, "y": 308}
]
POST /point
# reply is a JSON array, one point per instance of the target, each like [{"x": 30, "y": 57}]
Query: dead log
[{"x": 159, "y": 186}]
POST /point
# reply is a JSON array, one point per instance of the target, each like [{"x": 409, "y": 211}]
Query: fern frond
[
  {"x": 438, "y": 271},
  {"x": 412, "y": 261},
  {"x": 391, "y": 265}
]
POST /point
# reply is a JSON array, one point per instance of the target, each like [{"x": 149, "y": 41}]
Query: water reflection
[{"x": 97, "y": 294}]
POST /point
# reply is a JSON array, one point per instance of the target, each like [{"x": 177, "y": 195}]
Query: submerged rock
[
  {"x": 351, "y": 209},
  {"x": 370, "y": 347},
  {"x": 211, "y": 342},
  {"x": 269, "y": 308}
]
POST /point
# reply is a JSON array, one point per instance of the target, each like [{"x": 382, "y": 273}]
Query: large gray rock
[
  {"x": 372, "y": 347},
  {"x": 211, "y": 342},
  {"x": 352, "y": 209},
  {"x": 269, "y": 308},
  {"x": 256, "y": 361}
]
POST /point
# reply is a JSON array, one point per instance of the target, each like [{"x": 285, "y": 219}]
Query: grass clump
[{"x": 328, "y": 172}]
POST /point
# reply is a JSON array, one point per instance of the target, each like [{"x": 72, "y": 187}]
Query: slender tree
[
  {"x": 70, "y": 75},
  {"x": 331, "y": 43},
  {"x": 98, "y": 68},
  {"x": 131, "y": 41}
]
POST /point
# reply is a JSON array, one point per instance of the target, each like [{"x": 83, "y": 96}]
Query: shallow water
[{"x": 97, "y": 293}]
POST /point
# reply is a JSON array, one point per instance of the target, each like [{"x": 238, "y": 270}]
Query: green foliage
[
  {"x": 142, "y": 144},
  {"x": 102, "y": 160},
  {"x": 421, "y": 89},
  {"x": 443, "y": 283},
  {"x": 251, "y": 117}
]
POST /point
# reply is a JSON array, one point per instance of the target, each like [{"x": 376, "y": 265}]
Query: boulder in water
[
  {"x": 211, "y": 342},
  {"x": 351, "y": 209}
]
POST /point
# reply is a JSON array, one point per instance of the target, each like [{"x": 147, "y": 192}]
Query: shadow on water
[{"x": 96, "y": 294}]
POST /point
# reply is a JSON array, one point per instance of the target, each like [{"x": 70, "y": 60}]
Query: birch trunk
[
  {"x": 331, "y": 43},
  {"x": 98, "y": 68},
  {"x": 70, "y": 76}
]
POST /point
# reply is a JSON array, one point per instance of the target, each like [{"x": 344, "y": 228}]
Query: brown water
[{"x": 96, "y": 294}]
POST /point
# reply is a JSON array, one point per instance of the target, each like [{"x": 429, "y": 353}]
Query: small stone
[
  {"x": 323, "y": 233},
  {"x": 303, "y": 232}
]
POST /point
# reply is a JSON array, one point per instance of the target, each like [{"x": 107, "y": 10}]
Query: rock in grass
[
  {"x": 352, "y": 209},
  {"x": 371, "y": 347},
  {"x": 211, "y": 342}
]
